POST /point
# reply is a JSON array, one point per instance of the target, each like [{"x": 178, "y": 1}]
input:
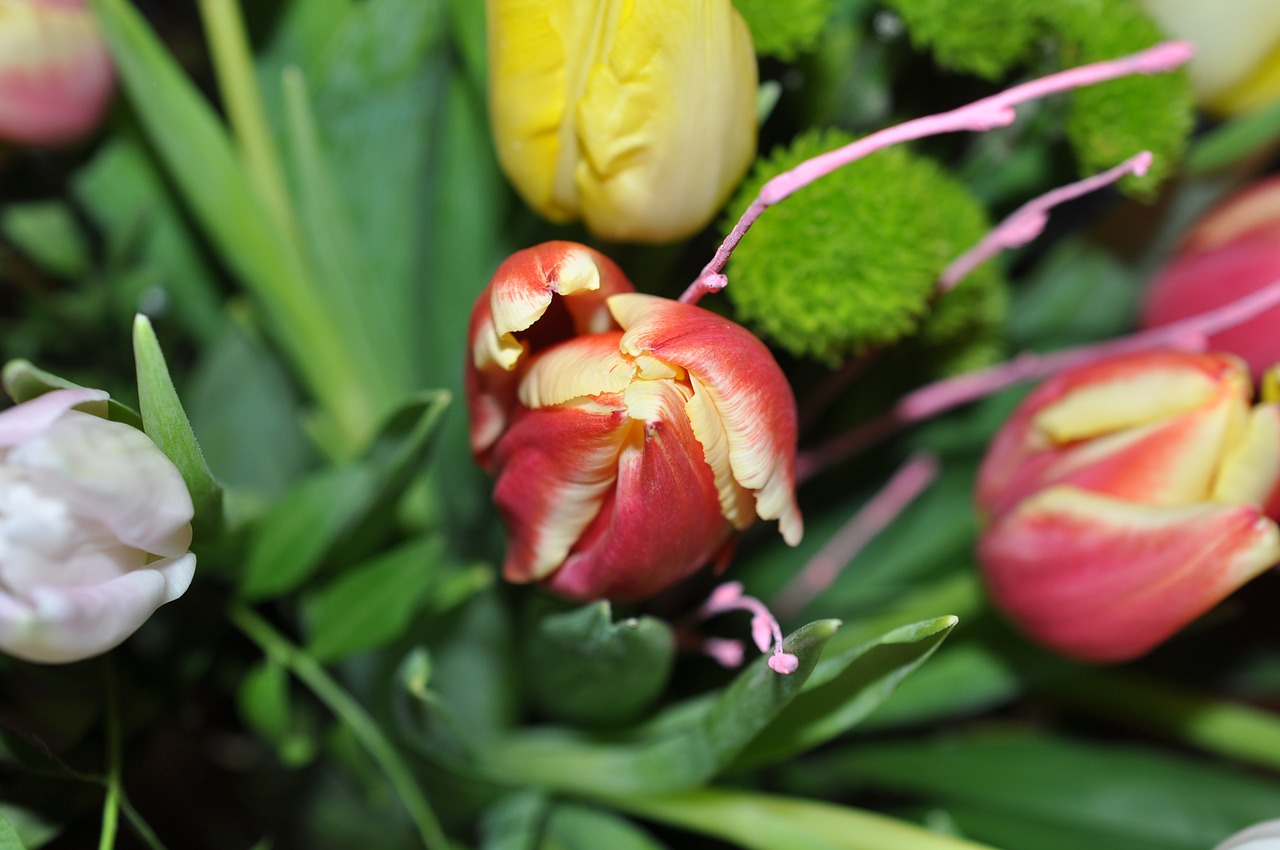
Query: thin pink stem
[
  {"x": 1191, "y": 334},
  {"x": 825, "y": 567},
  {"x": 1028, "y": 221},
  {"x": 979, "y": 116},
  {"x": 765, "y": 630}
]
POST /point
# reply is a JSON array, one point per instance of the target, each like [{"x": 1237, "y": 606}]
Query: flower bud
[
  {"x": 1236, "y": 67},
  {"x": 95, "y": 523},
  {"x": 1127, "y": 497},
  {"x": 1229, "y": 253},
  {"x": 630, "y": 435},
  {"x": 639, "y": 118},
  {"x": 56, "y": 76}
]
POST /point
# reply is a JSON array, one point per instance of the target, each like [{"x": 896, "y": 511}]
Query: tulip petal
[
  {"x": 583, "y": 366},
  {"x": 1162, "y": 451},
  {"x": 60, "y": 625},
  {"x": 1250, "y": 471},
  {"x": 555, "y": 468},
  {"x": 662, "y": 520},
  {"x": 739, "y": 379},
  {"x": 23, "y": 421},
  {"x": 1104, "y": 580}
]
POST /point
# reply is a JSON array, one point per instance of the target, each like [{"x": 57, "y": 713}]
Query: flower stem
[
  {"x": 111, "y": 805},
  {"x": 350, "y": 712}
]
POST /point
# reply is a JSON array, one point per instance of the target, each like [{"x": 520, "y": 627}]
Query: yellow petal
[
  {"x": 736, "y": 502},
  {"x": 582, "y": 367},
  {"x": 1251, "y": 467}
]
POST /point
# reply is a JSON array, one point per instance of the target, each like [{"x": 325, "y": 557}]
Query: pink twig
[
  {"x": 1191, "y": 334},
  {"x": 1028, "y": 221},
  {"x": 765, "y": 631},
  {"x": 979, "y": 116},
  {"x": 825, "y": 567}
]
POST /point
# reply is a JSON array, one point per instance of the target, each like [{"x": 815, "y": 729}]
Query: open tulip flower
[
  {"x": 1127, "y": 497},
  {"x": 630, "y": 435},
  {"x": 56, "y": 76},
  {"x": 639, "y": 118},
  {"x": 94, "y": 527}
]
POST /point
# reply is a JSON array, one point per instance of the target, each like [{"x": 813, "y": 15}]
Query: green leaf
[
  {"x": 784, "y": 30},
  {"x": 682, "y": 749},
  {"x": 846, "y": 687},
  {"x": 756, "y": 821},
  {"x": 166, "y": 423},
  {"x": 294, "y": 535},
  {"x": 572, "y": 827},
  {"x": 9, "y": 838},
  {"x": 514, "y": 822},
  {"x": 1238, "y": 139},
  {"x": 23, "y": 382},
  {"x": 372, "y": 603},
  {"x": 47, "y": 232},
  {"x": 583, "y": 668},
  {"x": 34, "y": 830},
  {"x": 1084, "y": 795},
  {"x": 267, "y": 707}
]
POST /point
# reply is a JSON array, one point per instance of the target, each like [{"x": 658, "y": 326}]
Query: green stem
[
  {"x": 233, "y": 65},
  {"x": 140, "y": 826},
  {"x": 350, "y": 712},
  {"x": 111, "y": 805},
  {"x": 1205, "y": 721}
]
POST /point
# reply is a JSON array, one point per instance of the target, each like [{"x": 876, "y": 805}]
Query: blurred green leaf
[
  {"x": 1234, "y": 141},
  {"x": 246, "y": 409},
  {"x": 9, "y": 838},
  {"x": 844, "y": 688},
  {"x": 1033, "y": 792},
  {"x": 756, "y": 821},
  {"x": 514, "y": 822},
  {"x": 371, "y": 603},
  {"x": 573, "y": 827},
  {"x": 46, "y": 231},
  {"x": 166, "y": 423},
  {"x": 684, "y": 749},
  {"x": 267, "y": 707},
  {"x": 583, "y": 668},
  {"x": 296, "y": 532},
  {"x": 34, "y": 830}
]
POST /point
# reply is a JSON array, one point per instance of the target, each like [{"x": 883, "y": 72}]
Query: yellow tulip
[{"x": 637, "y": 117}]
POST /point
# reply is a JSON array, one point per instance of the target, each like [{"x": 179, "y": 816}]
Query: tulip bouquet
[{"x": 588, "y": 424}]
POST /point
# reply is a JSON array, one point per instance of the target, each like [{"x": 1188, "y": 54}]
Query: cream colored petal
[
  {"x": 667, "y": 122},
  {"x": 1232, "y": 38},
  {"x": 1251, "y": 468},
  {"x": 582, "y": 367},
  {"x": 736, "y": 502}
]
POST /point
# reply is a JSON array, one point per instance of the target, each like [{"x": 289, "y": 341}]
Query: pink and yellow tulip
[
  {"x": 630, "y": 435},
  {"x": 56, "y": 76},
  {"x": 1126, "y": 498}
]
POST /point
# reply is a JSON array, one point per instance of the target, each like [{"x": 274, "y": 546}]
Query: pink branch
[
  {"x": 979, "y": 116},
  {"x": 1190, "y": 334},
  {"x": 1028, "y": 221},
  {"x": 825, "y": 567}
]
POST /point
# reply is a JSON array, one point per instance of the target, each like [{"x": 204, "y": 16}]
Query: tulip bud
[
  {"x": 639, "y": 118},
  {"x": 94, "y": 527},
  {"x": 56, "y": 76},
  {"x": 1127, "y": 497},
  {"x": 1229, "y": 253},
  {"x": 629, "y": 434},
  {"x": 1236, "y": 67}
]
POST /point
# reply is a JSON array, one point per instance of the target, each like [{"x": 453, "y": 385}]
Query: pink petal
[
  {"x": 743, "y": 384},
  {"x": 23, "y": 421},
  {"x": 518, "y": 313},
  {"x": 555, "y": 469},
  {"x": 1103, "y": 580},
  {"x": 60, "y": 625},
  {"x": 662, "y": 519}
]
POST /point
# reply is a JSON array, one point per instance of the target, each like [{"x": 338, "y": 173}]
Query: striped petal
[
  {"x": 662, "y": 520},
  {"x": 1151, "y": 427},
  {"x": 555, "y": 469},
  {"x": 740, "y": 397},
  {"x": 518, "y": 313},
  {"x": 583, "y": 366},
  {"x": 1104, "y": 580}
]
